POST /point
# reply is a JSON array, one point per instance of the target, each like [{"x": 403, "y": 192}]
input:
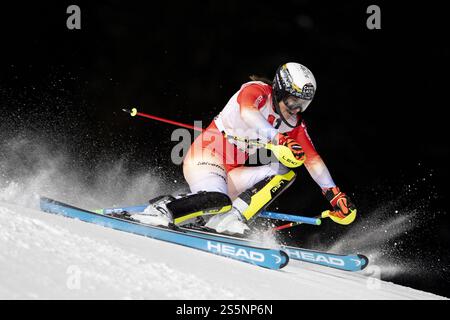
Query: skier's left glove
[{"x": 344, "y": 211}]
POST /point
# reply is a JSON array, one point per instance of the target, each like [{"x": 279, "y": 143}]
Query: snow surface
[{"x": 44, "y": 256}]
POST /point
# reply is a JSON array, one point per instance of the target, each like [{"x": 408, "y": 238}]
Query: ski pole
[
  {"x": 135, "y": 209},
  {"x": 254, "y": 142},
  {"x": 264, "y": 214},
  {"x": 285, "y": 226},
  {"x": 133, "y": 112},
  {"x": 283, "y": 153},
  {"x": 288, "y": 225},
  {"x": 290, "y": 218},
  {"x": 296, "y": 223}
]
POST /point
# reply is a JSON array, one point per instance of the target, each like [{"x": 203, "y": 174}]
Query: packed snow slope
[{"x": 44, "y": 256}]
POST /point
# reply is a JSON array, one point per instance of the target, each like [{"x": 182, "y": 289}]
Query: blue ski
[
  {"x": 260, "y": 256},
  {"x": 349, "y": 262},
  {"x": 346, "y": 262}
]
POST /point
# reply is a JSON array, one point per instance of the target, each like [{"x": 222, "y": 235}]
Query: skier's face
[
  {"x": 289, "y": 110},
  {"x": 295, "y": 104}
]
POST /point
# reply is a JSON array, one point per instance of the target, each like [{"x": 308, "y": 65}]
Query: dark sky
[
  {"x": 378, "y": 118},
  {"x": 379, "y": 89}
]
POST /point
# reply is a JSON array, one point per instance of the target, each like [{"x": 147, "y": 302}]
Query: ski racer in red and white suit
[{"x": 214, "y": 163}]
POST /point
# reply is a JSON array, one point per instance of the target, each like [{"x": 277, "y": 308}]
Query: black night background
[{"x": 378, "y": 119}]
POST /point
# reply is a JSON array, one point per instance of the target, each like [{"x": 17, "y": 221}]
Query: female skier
[{"x": 229, "y": 194}]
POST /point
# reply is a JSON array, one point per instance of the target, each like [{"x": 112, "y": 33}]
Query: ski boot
[
  {"x": 183, "y": 209},
  {"x": 231, "y": 222},
  {"x": 157, "y": 213}
]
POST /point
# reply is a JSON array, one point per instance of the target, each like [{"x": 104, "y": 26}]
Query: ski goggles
[{"x": 295, "y": 103}]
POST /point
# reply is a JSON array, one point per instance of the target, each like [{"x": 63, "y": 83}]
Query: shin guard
[
  {"x": 191, "y": 206},
  {"x": 257, "y": 198}
]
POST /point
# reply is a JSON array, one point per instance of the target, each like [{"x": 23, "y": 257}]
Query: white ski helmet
[{"x": 295, "y": 85}]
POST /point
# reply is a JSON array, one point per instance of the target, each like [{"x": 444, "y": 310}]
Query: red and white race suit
[{"x": 216, "y": 164}]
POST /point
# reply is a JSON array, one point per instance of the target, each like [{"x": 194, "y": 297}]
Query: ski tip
[
  {"x": 45, "y": 199},
  {"x": 286, "y": 259},
  {"x": 365, "y": 261}
]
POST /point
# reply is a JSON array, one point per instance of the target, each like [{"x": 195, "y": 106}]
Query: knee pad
[{"x": 257, "y": 198}]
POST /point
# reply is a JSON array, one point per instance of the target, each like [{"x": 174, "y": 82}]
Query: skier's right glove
[{"x": 295, "y": 147}]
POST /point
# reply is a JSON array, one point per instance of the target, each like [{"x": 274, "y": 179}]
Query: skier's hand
[
  {"x": 344, "y": 209},
  {"x": 296, "y": 149}
]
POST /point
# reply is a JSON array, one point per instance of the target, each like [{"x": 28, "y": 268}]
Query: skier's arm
[
  {"x": 314, "y": 162},
  {"x": 344, "y": 209},
  {"x": 251, "y": 99}
]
